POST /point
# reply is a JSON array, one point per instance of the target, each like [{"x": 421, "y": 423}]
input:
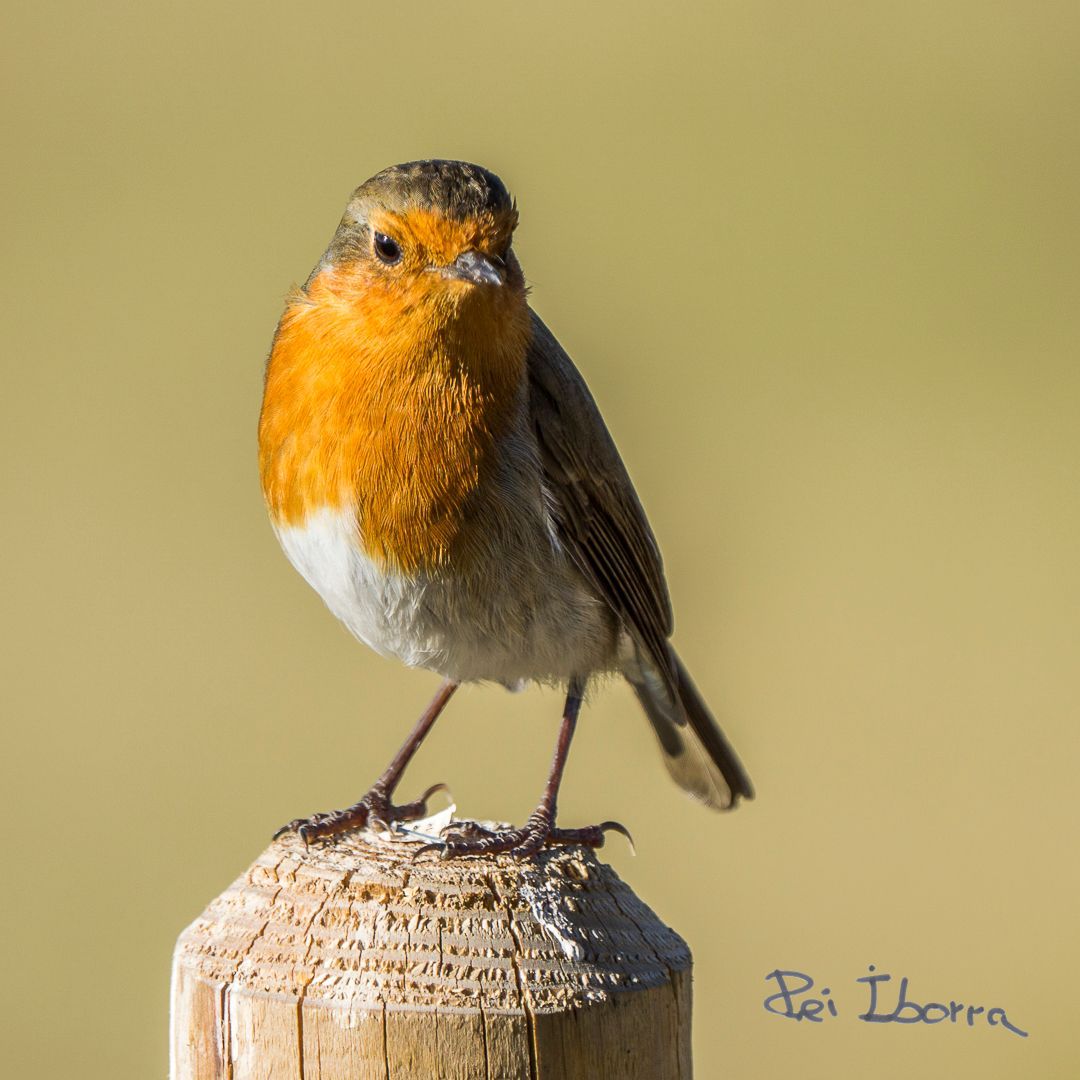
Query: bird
[{"x": 436, "y": 468}]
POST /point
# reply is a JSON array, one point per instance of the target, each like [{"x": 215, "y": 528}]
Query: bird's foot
[
  {"x": 471, "y": 838},
  {"x": 374, "y": 810}
]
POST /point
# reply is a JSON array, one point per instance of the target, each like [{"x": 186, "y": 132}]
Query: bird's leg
[
  {"x": 375, "y": 807},
  {"x": 472, "y": 839}
]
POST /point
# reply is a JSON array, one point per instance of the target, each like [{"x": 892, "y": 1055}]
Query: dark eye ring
[{"x": 388, "y": 250}]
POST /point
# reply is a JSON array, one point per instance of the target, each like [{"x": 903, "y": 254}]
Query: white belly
[{"x": 512, "y": 620}]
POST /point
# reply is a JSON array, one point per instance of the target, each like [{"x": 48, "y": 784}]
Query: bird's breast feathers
[
  {"x": 404, "y": 484},
  {"x": 519, "y": 612},
  {"x": 374, "y": 404}
]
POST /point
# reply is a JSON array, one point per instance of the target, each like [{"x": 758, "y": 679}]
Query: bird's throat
[{"x": 392, "y": 403}]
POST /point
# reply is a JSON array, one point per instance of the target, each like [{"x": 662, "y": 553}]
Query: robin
[{"x": 437, "y": 470}]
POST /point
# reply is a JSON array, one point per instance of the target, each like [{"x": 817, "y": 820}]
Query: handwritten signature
[{"x": 794, "y": 1001}]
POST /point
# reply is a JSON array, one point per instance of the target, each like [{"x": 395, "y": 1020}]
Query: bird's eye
[{"x": 388, "y": 250}]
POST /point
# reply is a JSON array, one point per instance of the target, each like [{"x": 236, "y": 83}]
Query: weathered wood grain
[{"x": 351, "y": 961}]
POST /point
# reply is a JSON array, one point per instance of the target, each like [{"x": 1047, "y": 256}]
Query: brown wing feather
[
  {"x": 602, "y": 525},
  {"x": 595, "y": 507}
]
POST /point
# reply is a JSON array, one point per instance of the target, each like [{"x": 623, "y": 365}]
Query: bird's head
[{"x": 429, "y": 239}]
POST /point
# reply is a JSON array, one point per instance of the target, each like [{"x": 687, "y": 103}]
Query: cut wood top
[{"x": 357, "y": 923}]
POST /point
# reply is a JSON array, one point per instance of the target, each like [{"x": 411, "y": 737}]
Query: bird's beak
[{"x": 477, "y": 268}]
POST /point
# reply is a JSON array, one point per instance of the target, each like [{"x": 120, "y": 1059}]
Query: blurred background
[{"x": 818, "y": 262}]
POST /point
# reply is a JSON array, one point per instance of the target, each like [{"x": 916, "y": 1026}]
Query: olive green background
[{"x": 818, "y": 262}]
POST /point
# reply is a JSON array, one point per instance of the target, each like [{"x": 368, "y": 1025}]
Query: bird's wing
[
  {"x": 602, "y": 526},
  {"x": 596, "y": 511}
]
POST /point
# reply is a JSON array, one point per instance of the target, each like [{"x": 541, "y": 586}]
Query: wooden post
[{"x": 350, "y": 961}]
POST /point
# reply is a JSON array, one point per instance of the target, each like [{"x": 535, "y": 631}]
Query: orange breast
[{"x": 388, "y": 400}]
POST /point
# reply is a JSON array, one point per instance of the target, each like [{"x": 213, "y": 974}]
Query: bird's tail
[{"x": 696, "y": 753}]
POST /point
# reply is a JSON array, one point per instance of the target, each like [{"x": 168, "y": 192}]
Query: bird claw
[
  {"x": 440, "y": 847},
  {"x": 374, "y": 810},
  {"x": 615, "y": 826},
  {"x": 388, "y": 814},
  {"x": 468, "y": 838}
]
